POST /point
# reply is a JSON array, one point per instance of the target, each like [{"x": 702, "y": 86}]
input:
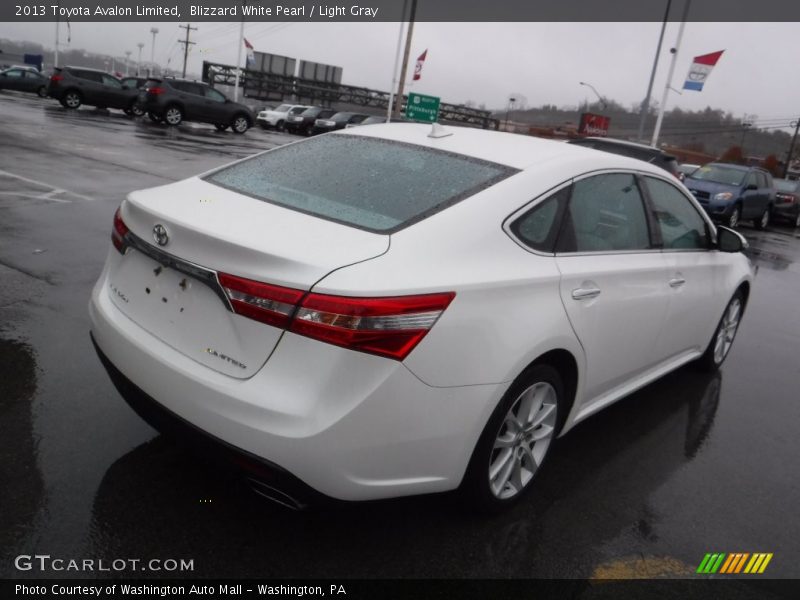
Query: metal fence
[{"x": 268, "y": 86}]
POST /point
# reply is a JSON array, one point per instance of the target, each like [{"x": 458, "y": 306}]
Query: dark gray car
[
  {"x": 176, "y": 100},
  {"x": 23, "y": 80},
  {"x": 74, "y": 86}
]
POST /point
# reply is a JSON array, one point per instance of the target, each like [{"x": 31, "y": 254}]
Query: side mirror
[
  {"x": 729, "y": 240},
  {"x": 751, "y": 186}
]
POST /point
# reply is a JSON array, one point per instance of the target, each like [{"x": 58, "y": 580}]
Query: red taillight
[
  {"x": 118, "y": 232},
  {"x": 270, "y": 304},
  {"x": 788, "y": 198},
  {"x": 390, "y": 326},
  {"x": 155, "y": 91},
  {"x": 56, "y": 78}
]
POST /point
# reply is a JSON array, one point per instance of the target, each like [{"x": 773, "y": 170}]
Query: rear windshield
[
  {"x": 720, "y": 174},
  {"x": 786, "y": 185},
  {"x": 372, "y": 184}
]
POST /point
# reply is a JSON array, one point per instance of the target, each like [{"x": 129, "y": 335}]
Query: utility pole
[
  {"x": 791, "y": 149},
  {"x": 139, "y": 62},
  {"x": 186, "y": 43},
  {"x": 154, "y": 31},
  {"x": 398, "y": 103},
  {"x": 55, "y": 56},
  {"x": 393, "y": 87},
  {"x": 668, "y": 84},
  {"x": 239, "y": 62},
  {"x": 511, "y": 101},
  {"x": 646, "y": 102},
  {"x": 127, "y": 62}
]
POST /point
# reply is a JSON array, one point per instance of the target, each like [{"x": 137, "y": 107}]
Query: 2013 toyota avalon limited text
[{"x": 400, "y": 309}]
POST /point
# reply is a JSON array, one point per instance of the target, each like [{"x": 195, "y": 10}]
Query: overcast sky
[{"x": 487, "y": 62}]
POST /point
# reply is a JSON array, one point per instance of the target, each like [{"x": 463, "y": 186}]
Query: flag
[
  {"x": 700, "y": 69},
  {"x": 418, "y": 68},
  {"x": 251, "y": 57}
]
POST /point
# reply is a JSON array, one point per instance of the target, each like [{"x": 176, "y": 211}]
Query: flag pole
[
  {"x": 396, "y": 62},
  {"x": 668, "y": 84},
  {"x": 239, "y": 61}
]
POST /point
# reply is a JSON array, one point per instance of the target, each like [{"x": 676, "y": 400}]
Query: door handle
[
  {"x": 676, "y": 282},
  {"x": 585, "y": 293}
]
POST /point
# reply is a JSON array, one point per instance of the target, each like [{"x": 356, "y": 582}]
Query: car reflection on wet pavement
[{"x": 690, "y": 464}]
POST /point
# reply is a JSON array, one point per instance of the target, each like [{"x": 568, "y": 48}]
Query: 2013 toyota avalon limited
[{"x": 395, "y": 310}]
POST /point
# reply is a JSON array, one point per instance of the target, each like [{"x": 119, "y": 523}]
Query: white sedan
[{"x": 394, "y": 310}]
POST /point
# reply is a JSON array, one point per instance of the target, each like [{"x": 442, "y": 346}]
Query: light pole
[
  {"x": 745, "y": 126},
  {"x": 511, "y": 100},
  {"x": 139, "y": 62},
  {"x": 127, "y": 62},
  {"x": 599, "y": 97},
  {"x": 154, "y": 31},
  {"x": 646, "y": 101}
]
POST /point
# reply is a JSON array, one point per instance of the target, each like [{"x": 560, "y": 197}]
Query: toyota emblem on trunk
[{"x": 160, "y": 235}]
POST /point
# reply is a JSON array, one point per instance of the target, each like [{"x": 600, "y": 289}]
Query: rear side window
[
  {"x": 110, "y": 81},
  {"x": 369, "y": 183},
  {"x": 90, "y": 75},
  {"x": 538, "y": 228},
  {"x": 681, "y": 225},
  {"x": 605, "y": 213}
]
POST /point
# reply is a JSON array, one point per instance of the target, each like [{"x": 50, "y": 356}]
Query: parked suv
[
  {"x": 338, "y": 121},
  {"x": 643, "y": 152},
  {"x": 73, "y": 86},
  {"x": 277, "y": 118},
  {"x": 303, "y": 122},
  {"x": 177, "y": 100},
  {"x": 730, "y": 193}
]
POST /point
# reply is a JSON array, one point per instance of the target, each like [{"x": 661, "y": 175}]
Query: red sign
[{"x": 592, "y": 124}]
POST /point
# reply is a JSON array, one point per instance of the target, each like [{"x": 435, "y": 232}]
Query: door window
[
  {"x": 605, "y": 213},
  {"x": 762, "y": 180},
  {"x": 111, "y": 82},
  {"x": 90, "y": 75},
  {"x": 13, "y": 73},
  {"x": 214, "y": 95},
  {"x": 681, "y": 225},
  {"x": 751, "y": 180}
]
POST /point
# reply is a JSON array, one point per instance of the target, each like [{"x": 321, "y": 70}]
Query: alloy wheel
[
  {"x": 173, "y": 116},
  {"x": 72, "y": 100},
  {"x": 522, "y": 441},
  {"x": 733, "y": 220},
  {"x": 240, "y": 124},
  {"x": 727, "y": 330},
  {"x": 765, "y": 219}
]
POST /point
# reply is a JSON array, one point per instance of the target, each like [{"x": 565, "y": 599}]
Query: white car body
[
  {"x": 356, "y": 426},
  {"x": 271, "y": 118}
]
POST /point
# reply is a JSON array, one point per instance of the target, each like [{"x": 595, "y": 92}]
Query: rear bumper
[{"x": 349, "y": 425}]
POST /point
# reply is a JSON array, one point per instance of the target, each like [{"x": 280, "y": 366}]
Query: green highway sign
[{"x": 422, "y": 108}]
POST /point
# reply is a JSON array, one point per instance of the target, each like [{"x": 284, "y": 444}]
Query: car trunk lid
[{"x": 172, "y": 290}]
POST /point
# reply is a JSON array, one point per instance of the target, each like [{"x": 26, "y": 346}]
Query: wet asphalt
[{"x": 689, "y": 465}]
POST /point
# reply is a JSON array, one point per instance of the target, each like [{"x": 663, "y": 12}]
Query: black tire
[
  {"x": 128, "y": 111},
  {"x": 711, "y": 359},
  {"x": 762, "y": 221},
  {"x": 279, "y": 126},
  {"x": 240, "y": 123},
  {"x": 154, "y": 117},
  {"x": 72, "y": 99},
  {"x": 735, "y": 217},
  {"x": 173, "y": 115},
  {"x": 220, "y": 126},
  {"x": 136, "y": 109},
  {"x": 42, "y": 92},
  {"x": 477, "y": 486}
]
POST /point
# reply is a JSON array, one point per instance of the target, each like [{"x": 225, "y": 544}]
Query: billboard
[
  {"x": 320, "y": 72},
  {"x": 592, "y": 124},
  {"x": 274, "y": 64}
]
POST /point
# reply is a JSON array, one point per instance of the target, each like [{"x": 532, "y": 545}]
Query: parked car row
[{"x": 307, "y": 120}]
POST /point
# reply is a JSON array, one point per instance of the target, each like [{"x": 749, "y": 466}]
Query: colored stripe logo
[{"x": 733, "y": 563}]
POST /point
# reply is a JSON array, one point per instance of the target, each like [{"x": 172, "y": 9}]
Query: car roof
[
  {"x": 84, "y": 69},
  {"x": 510, "y": 149},
  {"x": 735, "y": 167},
  {"x": 616, "y": 142}
]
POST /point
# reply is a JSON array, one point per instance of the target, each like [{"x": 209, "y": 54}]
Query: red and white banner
[
  {"x": 251, "y": 57},
  {"x": 418, "y": 67},
  {"x": 700, "y": 69}
]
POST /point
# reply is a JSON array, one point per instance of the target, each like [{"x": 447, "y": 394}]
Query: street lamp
[
  {"x": 154, "y": 31},
  {"x": 139, "y": 62},
  {"x": 127, "y": 61},
  {"x": 599, "y": 97},
  {"x": 511, "y": 100},
  {"x": 745, "y": 126}
]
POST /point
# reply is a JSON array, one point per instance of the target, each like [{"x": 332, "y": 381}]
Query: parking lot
[{"x": 689, "y": 465}]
